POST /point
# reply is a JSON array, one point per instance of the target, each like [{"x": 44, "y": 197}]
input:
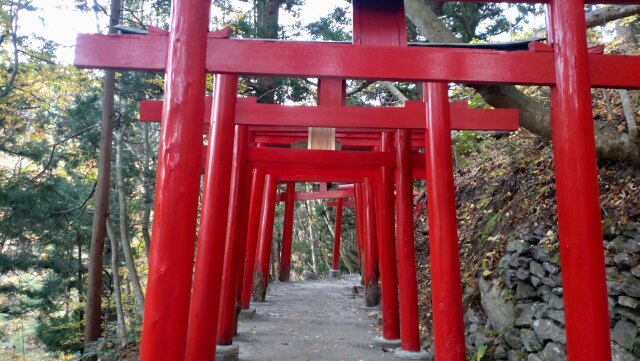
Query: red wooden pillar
[
  {"x": 177, "y": 185},
  {"x": 287, "y": 233},
  {"x": 265, "y": 240},
  {"x": 579, "y": 222},
  {"x": 360, "y": 233},
  {"x": 409, "y": 319},
  {"x": 386, "y": 246},
  {"x": 242, "y": 236},
  {"x": 203, "y": 313},
  {"x": 232, "y": 250},
  {"x": 335, "y": 265},
  {"x": 255, "y": 207},
  {"x": 372, "y": 291},
  {"x": 446, "y": 287}
]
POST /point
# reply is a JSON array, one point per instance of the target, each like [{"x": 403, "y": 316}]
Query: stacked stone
[
  {"x": 623, "y": 285},
  {"x": 524, "y": 304}
]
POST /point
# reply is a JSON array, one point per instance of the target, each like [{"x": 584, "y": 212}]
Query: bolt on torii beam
[{"x": 569, "y": 70}]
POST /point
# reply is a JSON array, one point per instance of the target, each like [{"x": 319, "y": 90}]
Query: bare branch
[
  {"x": 362, "y": 86},
  {"x": 627, "y": 107},
  {"x": 394, "y": 90},
  {"x": 84, "y": 203},
  {"x": 53, "y": 149},
  {"x": 606, "y": 14}
]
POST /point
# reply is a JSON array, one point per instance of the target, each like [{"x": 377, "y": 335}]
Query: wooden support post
[
  {"x": 446, "y": 285},
  {"x": 287, "y": 233},
  {"x": 242, "y": 237},
  {"x": 577, "y": 193},
  {"x": 265, "y": 240},
  {"x": 233, "y": 243},
  {"x": 203, "y": 313},
  {"x": 335, "y": 265},
  {"x": 255, "y": 208},
  {"x": 372, "y": 289},
  {"x": 409, "y": 318},
  {"x": 386, "y": 246},
  {"x": 360, "y": 230},
  {"x": 164, "y": 328}
]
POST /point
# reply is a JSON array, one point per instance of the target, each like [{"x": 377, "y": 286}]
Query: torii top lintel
[{"x": 356, "y": 61}]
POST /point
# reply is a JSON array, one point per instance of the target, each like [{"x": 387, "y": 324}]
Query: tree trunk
[
  {"x": 345, "y": 259},
  {"x": 92, "y": 329},
  {"x": 259, "y": 287},
  {"x": 274, "y": 265},
  {"x": 124, "y": 234},
  {"x": 80, "y": 274},
  {"x": 628, "y": 45},
  {"x": 312, "y": 240},
  {"x": 372, "y": 292},
  {"x": 332, "y": 233},
  {"x": 330, "y": 226},
  {"x": 534, "y": 116},
  {"x": 314, "y": 265},
  {"x": 627, "y": 107},
  {"x": 121, "y": 330},
  {"x": 267, "y": 17},
  {"x": 146, "y": 189},
  {"x": 606, "y": 14},
  {"x": 326, "y": 258},
  {"x": 607, "y": 103},
  {"x": 300, "y": 235}
]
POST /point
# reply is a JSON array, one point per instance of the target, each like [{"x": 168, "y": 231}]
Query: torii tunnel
[{"x": 248, "y": 154}]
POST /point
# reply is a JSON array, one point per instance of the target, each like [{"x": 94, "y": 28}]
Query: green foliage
[
  {"x": 49, "y": 135},
  {"x": 491, "y": 224},
  {"x": 482, "y": 349},
  {"x": 334, "y": 27},
  {"x": 62, "y": 333},
  {"x": 481, "y": 21},
  {"x": 464, "y": 143}
]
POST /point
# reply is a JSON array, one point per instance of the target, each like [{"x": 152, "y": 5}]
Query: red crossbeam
[
  {"x": 344, "y": 204},
  {"x": 410, "y": 116},
  {"x": 321, "y": 158},
  {"x": 348, "y": 138},
  {"x": 350, "y": 165},
  {"x": 340, "y": 193},
  {"x": 345, "y": 142},
  {"x": 313, "y": 59},
  {"x": 315, "y": 174}
]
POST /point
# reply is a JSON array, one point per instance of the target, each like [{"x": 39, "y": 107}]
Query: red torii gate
[
  {"x": 313, "y": 157},
  {"x": 505, "y": 119},
  {"x": 339, "y": 203},
  {"x": 568, "y": 69},
  {"x": 262, "y": 119},
  {"x": 340, "y": 195}
]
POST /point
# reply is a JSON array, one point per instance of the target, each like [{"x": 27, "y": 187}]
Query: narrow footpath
[{"x": 310, "y": 321}]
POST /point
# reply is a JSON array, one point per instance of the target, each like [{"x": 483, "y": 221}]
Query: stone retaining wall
[{"x": 521, "y": 315}]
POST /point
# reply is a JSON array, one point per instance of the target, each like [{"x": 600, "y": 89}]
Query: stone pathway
[{"x": 311, "y": 320}]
